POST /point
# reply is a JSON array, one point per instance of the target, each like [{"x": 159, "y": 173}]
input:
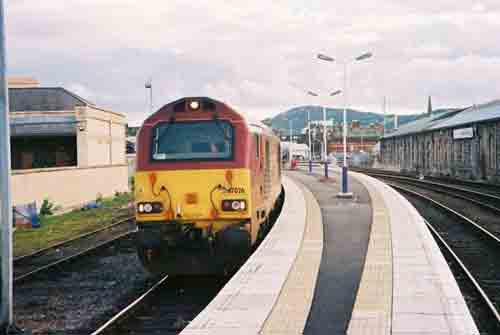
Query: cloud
[{"x": 248, "y": 53}]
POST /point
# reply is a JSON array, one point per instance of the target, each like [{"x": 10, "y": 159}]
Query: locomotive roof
[{"x": 253, "y": 126}]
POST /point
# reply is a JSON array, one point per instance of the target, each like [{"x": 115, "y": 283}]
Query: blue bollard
[
  {"x": 326, "y": 169},
  {"x": 344, "y": 179},
  {"x": 310, "y": 166}
]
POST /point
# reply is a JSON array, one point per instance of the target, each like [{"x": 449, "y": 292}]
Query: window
[
  {"x": 202, "y": 140},
  {"x": 43, "y": 152}
]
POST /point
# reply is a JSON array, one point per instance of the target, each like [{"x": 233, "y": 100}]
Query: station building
[
  {"x": 63, "y": 147},
  {"x": 359, "y": 138},
  {"x": 461, "y": 143}
]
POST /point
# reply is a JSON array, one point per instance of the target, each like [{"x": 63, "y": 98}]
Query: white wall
[{"x": 68, "y": 187}]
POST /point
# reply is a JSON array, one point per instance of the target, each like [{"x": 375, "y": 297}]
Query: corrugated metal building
[{"x": 462, "y": 143}]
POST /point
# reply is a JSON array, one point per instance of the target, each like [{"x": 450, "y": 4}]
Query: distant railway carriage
[{"x": 206, "y": 184}]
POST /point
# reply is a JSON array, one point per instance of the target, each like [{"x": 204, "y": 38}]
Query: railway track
[
  {"x": 488, "y": 200},
  {"x": 68, "y": 299},
  {"x": 460, "y": 184},
  {"x": 474, "y": 252},
  {"x": 166, "y": 307},
  {"x": 42, "y": 260},
  {"x": 469, "y": 203}
]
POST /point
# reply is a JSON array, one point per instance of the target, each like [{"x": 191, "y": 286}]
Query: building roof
[
  {"x": 22, "y": 82},
  {"x": 451, "y": 118},
  {"x": 44, "y": 99},
  {"x": 47, "y": 125},
  {"x": 474, "y": 114}
]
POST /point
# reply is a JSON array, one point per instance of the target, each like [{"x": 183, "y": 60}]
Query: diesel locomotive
[{"x": 207, "y": 182}]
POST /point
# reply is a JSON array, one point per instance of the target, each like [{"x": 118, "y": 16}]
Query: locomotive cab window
[{"x": 202, "y": 140}]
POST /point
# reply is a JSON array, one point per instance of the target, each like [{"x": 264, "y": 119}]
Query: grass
[{"x": 58, "y": 228}]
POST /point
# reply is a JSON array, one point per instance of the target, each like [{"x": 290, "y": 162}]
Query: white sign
[{"x": 463, "y": 133}]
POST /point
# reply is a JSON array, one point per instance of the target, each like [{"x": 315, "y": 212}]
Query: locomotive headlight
[
  {"x": 234, "y": 205},
  {"x": 149, "y": 207},
  {"x": 194, "y": 105}
]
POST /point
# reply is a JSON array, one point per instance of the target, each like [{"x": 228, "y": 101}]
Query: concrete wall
[
  {"x": 102, "y": 139},
  {"x": 102, "y": 165},
  {"x": 70, "y": 186}
]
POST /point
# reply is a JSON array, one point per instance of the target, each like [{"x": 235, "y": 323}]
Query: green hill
[{"x": 299, "y": 117}]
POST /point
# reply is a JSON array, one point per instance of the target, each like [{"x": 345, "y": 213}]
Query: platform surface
[
  {"x": 366, "y": 265},
  {"x": 346, "y": 241}
]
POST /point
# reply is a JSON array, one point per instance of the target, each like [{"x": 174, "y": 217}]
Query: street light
[
  {"x": 313, "y": 94},
  {"x": 6, "y": 319},
  {"x": 327, "y": 58},
  {"x": 290, "y": 123},
  {"x": 149, "y": 86},
  {"x": 325, "y": 144}
]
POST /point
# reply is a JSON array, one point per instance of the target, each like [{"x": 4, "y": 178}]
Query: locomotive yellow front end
[
  {"x": 193, "y": 189},
  {"x": 193, "y": 221}
]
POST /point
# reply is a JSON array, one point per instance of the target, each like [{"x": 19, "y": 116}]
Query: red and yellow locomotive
[{"x": 206, "y": 184}]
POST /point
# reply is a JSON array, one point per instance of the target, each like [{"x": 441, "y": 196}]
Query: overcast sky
[{"x": 247, "y": 53}]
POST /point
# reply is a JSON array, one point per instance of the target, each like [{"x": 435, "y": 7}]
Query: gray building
[
  {"x": 63, "y": 147},
  {"x": 461, "y": 143}
]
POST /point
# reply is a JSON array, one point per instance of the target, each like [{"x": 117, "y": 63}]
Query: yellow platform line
[
  {"x": 291, "y": 310},
  {"x": 372, "y": 313}
]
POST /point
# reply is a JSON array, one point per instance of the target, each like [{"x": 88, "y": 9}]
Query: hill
[{"x": 299, "y": 117}]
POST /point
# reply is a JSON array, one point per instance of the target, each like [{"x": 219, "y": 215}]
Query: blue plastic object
[{"x": 92, "y": 205}]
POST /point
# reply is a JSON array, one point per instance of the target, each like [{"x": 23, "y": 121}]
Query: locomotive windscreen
[{"x": 201, "y": 140}]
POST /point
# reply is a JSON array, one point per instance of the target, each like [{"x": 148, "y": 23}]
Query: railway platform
[{"x": 366, "y": 265}]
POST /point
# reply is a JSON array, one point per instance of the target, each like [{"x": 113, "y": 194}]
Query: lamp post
[
  {"x": 290, "y": 141},
  {"x": 5, "y": 192},
  {"x": 325, "y": 142},
  {"x": 323, "y": 57},
  {"x": 311, "y": 93},
  {"x": 149, "y": 86},
  {"x": 290, "y": 146},
  {"x": 309, "y": 138}
]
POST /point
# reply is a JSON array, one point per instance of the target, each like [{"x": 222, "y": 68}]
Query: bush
[{"x": 47, "y": 208}]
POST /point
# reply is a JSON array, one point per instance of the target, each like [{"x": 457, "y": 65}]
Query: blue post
[
  {"x": 344, "y": 179},
  {"x": 326, "y": 169},
  {"x": 310, "y": 166}
]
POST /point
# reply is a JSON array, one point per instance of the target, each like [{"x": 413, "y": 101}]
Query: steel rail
[
  {"x": 451, "y": 187},
  {"x": 24, "y": 276},
  {"x": 125, "y": 312},
  {"x": 448, "y": 209},
  {"x": 463, "y": 182},
  {"x": 464, "y": 269},
  {"x": 76, "y": 238},
  {"x": 475, "y": 283},
  {"x": 443, "y": 190},
  {"x": 454, "y": 188}
]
